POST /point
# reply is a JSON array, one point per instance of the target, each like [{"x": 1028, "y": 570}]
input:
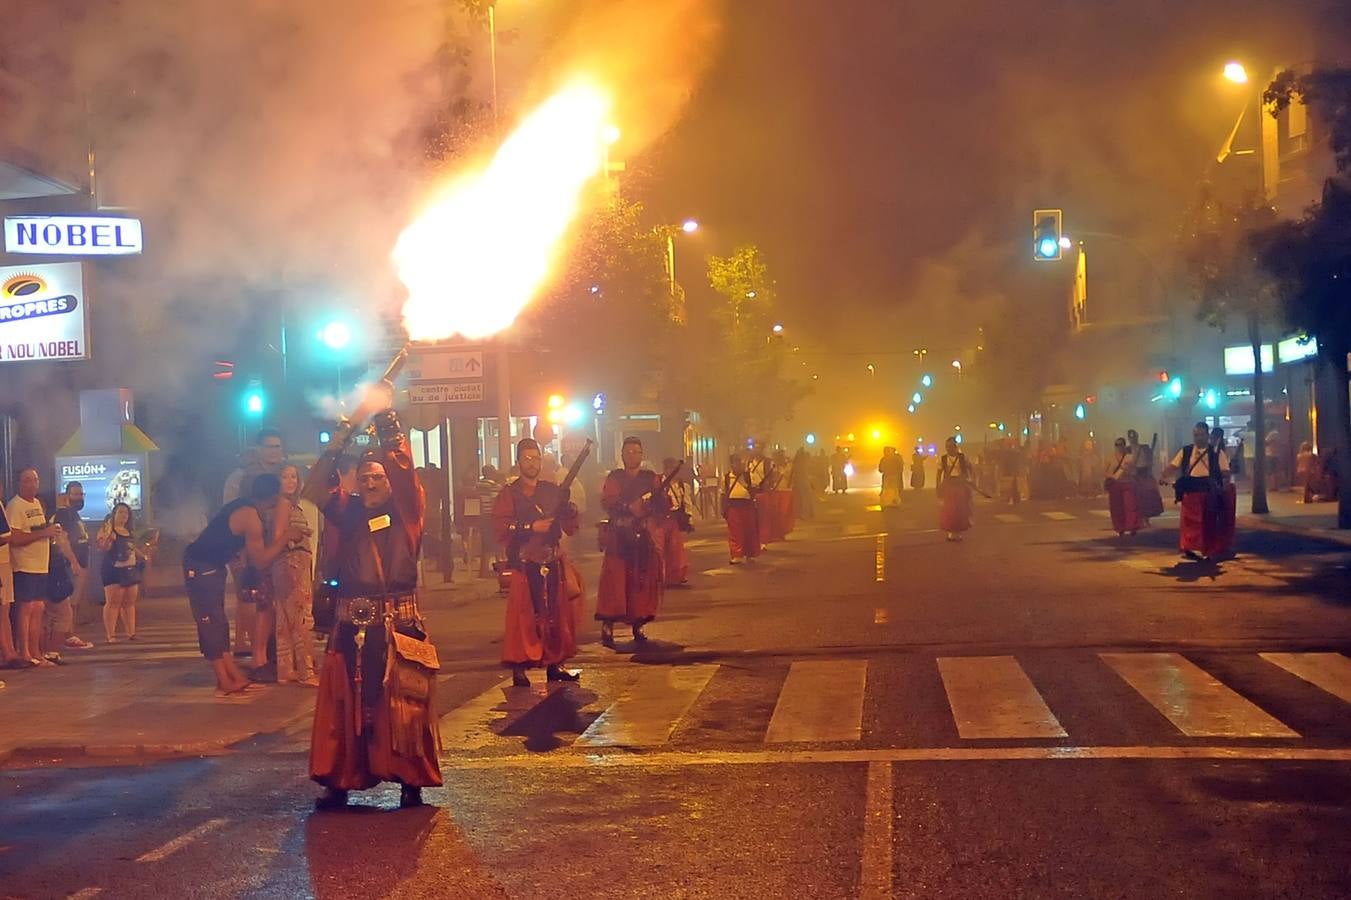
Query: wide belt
[{"x": 371, "y": 610}]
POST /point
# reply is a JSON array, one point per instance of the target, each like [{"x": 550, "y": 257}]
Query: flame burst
[{"x": 484, "y": 247}]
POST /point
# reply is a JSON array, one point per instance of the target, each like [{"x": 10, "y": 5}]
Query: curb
[{"x": 1263, "y": 524}]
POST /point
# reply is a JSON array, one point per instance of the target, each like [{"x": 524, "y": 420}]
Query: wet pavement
[{"x": 1041, "y": 710}]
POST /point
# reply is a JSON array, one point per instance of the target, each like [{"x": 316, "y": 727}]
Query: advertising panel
[
  {"x": 42, "y": 313},
  {"x": 1239, "y": 361},
  {"x": 108, "y": 479}
]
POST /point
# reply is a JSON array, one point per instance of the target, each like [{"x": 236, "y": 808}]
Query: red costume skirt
[
  {"x": 359, "y": 738},
  {"x": 631, "y": 579},
  {"x": 1148, "y": 500},
  {"x": 743, "y": 530},
  {"x": 1122, "y": 500},
  {"x": 1208, "y": 522},
  {"x": 787, "y": 513},
  {"x": 543, "y": 635},
  {"x": 954, "y": 513}
]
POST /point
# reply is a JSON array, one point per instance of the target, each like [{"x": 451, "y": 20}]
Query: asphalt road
[{"x": 1043, "y": 710}]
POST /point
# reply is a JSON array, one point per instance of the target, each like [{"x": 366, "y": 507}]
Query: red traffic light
[{"x": 1163, "y": 377}]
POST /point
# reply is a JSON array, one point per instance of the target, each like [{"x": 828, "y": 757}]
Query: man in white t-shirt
[
  {"x": 1201, "y": 470},
  {"x": 30, "y": 544}
]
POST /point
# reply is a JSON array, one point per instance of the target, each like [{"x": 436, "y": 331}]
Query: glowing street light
[
  {"x": 611, "y": 134},
  {"x": 1234, "y": 72},
  {"x": 910, "y": 408},
  {"x": 916, "y": 398},
  {"x": 336, "y": 335},
  {"x": 927, "y": 381},
  {"x": 690, "y": 226},
  {"x": 778, "y": 329}
]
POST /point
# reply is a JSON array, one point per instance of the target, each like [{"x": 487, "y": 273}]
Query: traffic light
[
  {"x": 1046, "y": 234},
  {"x": 254, "y": 401},
  {"x": 1175, "y": 388}
]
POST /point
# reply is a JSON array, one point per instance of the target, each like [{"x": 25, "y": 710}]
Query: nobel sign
[{"x": 73, "y": 235}]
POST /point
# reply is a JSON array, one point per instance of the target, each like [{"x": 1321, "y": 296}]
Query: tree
[
  {"x": 1224, "y": 259},
  {"x": 1311, "y": 257},
  {"x": 736, "y": 379}
]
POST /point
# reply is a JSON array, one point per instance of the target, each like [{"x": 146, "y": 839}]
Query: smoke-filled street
[
  {"x": 675, "y": 448},
  {"x": 1041, "y": 710}
]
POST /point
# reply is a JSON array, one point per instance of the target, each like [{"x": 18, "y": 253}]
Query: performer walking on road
[
  {"x": 738, "y": 508},
  {"x": 374, "y": 719},
  {"x": 631, "y": 572},
  {"x": 1200, "y": 469},
  {"x": 1121, "y": 494},
  {"x": 954, "y": 492},
  {"x": 545, "y": 594},
  {"x": 673, "y": 520}
]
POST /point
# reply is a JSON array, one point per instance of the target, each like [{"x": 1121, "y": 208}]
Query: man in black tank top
[{"x": 237, "y": 527}]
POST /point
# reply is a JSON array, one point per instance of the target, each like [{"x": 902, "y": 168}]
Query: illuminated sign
[
  {"x": 107, "y": 479},
  {"x": 73, "y": 235},
  {"x": 1239, "y": 361},
  {"x": 1296, "y": 348},
  {"x": 42, "y": 313}
]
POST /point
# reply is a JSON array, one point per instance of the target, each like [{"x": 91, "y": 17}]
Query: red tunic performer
[
  {"x": 546, "y": 590},
  {"x": 738, "y": 508},
  {"x": 631, "y": 572},
  {"x": 1227, "y": 516},
  {"x": 954, "y": 492},
  {"x": 1200, "y": 470},
  {"x": 1121, "y": 494},
  {"x": 764, "y": 481},
  {"x": 375, "y": 718},
  {"x": 1148, "y": 500},
  {"x": 784, "y": 514},
  {"x": 673, "y": 520}
]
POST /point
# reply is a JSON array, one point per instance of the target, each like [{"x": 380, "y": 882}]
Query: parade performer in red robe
[
  {"x": 738, "y": 508},
  {"x": 785, "y": 516},
  {"x": 764, "y": 479},
  {"x": 1121, "y": 494},
  {"x": 375, "y": 717},
  {"x": 673, "y": 520},
  {"x": 545, "y": 593},
  {"x": 1227, "y": 523},
  {"x": 1148, "y": 500},
  {"x": 1200, "y": 470},
  {"x": 954, "y": 492},
  {"x": 632, "y": 572}
]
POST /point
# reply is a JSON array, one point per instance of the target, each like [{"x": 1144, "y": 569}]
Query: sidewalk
[
  {"x": 156, "y": 696},
  {"x": 1291, "y": 515}
]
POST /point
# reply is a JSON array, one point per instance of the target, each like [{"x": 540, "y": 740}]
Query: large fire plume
[{"x": 486, "y": 244}]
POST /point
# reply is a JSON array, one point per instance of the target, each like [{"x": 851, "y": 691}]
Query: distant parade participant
[
  {"x": 374, "y": 718},
  {"x": 237, "y": 527},
  {"x": 1200, "y": 469},
  {"x": 890, "y": 467},
  {"x": 804, "y": 487},
  {"x": 738, "y": 508},
  {"x": 1148, "y": 500},
  {"x": 631, "y": 572},
  {"x": 253, "y": 625},
  {"x": 1120, "y": 485},
  {"x": 764, "y": 477},
  {"x": 917, "y": 469},
  {"x": 954, "y": 491},
  {"x": 839, "y": 479},
  {"x": 784, "y": 514},
  {"x": 544, "y": 596},
  {"x": 673, "y": 520},
  {"x": 1228, "y": 515}
]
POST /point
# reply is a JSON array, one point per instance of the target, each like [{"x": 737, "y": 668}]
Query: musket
[{"x": 556, "y": 529}]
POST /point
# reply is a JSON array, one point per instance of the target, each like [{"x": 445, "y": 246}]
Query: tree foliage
[{"x": 737, "y": 378}]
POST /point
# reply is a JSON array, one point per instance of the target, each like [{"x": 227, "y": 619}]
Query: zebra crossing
[
  {"x": 163, "y": 641},
  {"x": 1165, "y": 699}
]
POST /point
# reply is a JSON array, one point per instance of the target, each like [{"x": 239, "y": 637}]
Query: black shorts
[
  {"x": 30, "y": 586},
  {"x": 206, "y": 596}
]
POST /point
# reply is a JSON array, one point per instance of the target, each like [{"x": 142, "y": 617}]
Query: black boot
[
  {"x": 519, "y": 678},
  {"x": 638, "y": 636},
  {"x": 607, "y": 634},
  {"x": 554, "y": 673},
  {"x": 410, "y": 797},
  {"x": 332, "y": 798}
]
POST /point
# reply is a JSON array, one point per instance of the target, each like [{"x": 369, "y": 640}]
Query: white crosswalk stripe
[
  {"x": 1191, "y": 698},
  {"x": 822, "y": 700},
  {"x": 1008, "y": 518},
  {"x": 1058, "y": 516},
  {"x": 986, "y": 698}
]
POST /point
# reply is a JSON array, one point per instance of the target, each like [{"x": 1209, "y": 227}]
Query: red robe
[
  {"x": 954, "y": 513},
  {"x": 541, "y": 618},
  {"x": 1122, "y": 500},
  {"x": 632, "y": 571}
]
